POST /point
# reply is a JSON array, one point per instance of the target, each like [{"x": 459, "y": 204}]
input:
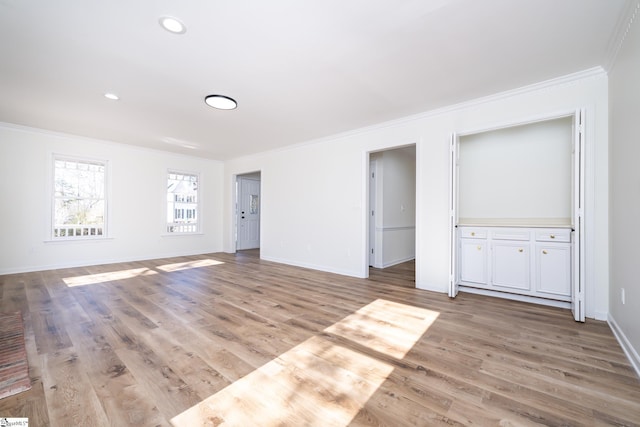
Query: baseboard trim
[
  {"x": 398, "y": 261},
  {"x": 515, "y": 297},
  {"x": 430, "y": 287},
  {"x": 601, "y": 315},
  {"x": 106, "y": 261},
  {"x": 628, "y": 349},
  {"x": 312, "y": 266}
]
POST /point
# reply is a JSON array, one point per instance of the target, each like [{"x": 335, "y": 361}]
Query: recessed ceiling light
[
  {"x": 221, "y": 102},
  {"x": 111, "y": 96},
  {"x": 173, "y": 25}
]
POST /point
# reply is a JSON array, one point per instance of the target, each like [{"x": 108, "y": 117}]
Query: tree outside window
[{"x": 79, "y": 205}]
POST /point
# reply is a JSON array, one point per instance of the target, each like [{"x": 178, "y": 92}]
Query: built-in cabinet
[
  {"x": 528, "y": 261},
  {"x": 516, "y": 217}
]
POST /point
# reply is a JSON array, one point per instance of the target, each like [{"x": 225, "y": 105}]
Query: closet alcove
[{"x": 516, "y": 212}]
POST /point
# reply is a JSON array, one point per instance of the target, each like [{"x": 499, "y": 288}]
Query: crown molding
[
  {"x": 628, "y": 15},
  {"x": 63, "y": 135},
  {"x": 593, "y": 72}
]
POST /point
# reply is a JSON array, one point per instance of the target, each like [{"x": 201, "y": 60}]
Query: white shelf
[{"x": 516, "y": 222}]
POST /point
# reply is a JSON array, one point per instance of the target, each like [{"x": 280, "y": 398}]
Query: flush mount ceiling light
[
  {"x": 221, "y": 102},
  {"x": 173, "y": 25},
  {"x": 111, "y": 96}
]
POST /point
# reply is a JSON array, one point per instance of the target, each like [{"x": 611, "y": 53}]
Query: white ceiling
[{"x": 300, "y": 70}]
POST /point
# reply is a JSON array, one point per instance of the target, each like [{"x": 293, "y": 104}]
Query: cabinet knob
[
  {"x": 479, "y": 248},
  {"x": 520, "y": 250},
  {"x": 544, "y": 252},
  {"x": 473, "y": 233},
  {"x": 552, "y": 236}
]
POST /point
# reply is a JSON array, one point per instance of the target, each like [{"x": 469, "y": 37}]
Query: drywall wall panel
[
  {"x": 136, "y": 203},
  {"x": 315, "y": 195},
  {"x": 517, "y": 172},
  {"x": 625, "y": 191}
]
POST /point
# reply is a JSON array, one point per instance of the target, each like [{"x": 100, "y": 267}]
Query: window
[
  {"x": 79, "y": 203},
  {"x": 182, "y": 203}
]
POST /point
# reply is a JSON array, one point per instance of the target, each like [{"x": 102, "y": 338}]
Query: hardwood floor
[{"x": 226, "y": 339}]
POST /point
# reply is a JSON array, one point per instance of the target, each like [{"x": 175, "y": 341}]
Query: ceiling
[{"x": 299, "y": 70}]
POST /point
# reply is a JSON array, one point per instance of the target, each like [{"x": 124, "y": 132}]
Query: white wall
[
  {"x": 315, "y": 197},
  {"x": 138, "y": 185},
  {"x": 399, "y": 187},
  {"x": 519, "y": 172},
  {"x": 309, "y": 216},
  {"x": 398, "y": 181},
  {"x": 625, "y": 193}
]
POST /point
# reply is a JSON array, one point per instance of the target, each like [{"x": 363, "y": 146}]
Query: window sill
[
  {"x": 197, "y": 233},
  {"x": 88, "y": 239}
]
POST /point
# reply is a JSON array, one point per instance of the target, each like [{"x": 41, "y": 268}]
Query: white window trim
[
  {"x": 198, "y": 230},
  {"x": 50, "y": 223}
]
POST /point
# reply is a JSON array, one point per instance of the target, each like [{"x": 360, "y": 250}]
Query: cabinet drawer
[
  {"x": 510, "y": 234},
  {"x": 553, "y": 235},
  {"x": 473, "y": 233}
]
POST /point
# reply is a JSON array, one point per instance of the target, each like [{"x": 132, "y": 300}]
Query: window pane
[
  {"x": 79, "y": 205},
  {"x": 65, "y": 210},
  {"x": 253, "y": 204},
  {"x": 91, "y": 184},
  {"x": 66, "y": 182},
  {"x": 182, "y": 202}
]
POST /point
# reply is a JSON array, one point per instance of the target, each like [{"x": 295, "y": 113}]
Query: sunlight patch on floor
[
  {"x": 318, "y": 382},
  {"x": 314, "y": 384},
  {"x": 111, "y": 276},
  {"x": 188, "y": 264},
  {"x": 385, "y": 326},
  {"x": 92, "y": 279}
]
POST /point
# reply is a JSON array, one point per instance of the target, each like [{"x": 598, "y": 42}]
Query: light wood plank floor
[{"x": 225, "y": 339}]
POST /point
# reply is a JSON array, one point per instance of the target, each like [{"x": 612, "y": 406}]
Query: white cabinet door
[
  {"x": 530, "y": 261},
  {"x": 553, "y": 269},
  {"x": 511, "y": 265},
  {"x": 473, "y": 261}
]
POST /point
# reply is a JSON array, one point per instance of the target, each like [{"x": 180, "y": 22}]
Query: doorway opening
[
  {"x": 392, "y": 211},
  {"x": 248, "y": 207}
]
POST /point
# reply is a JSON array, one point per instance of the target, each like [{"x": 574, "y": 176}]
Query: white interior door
[
  {"x": 248, "y": 213},
  {"x": 453, "y": 215},
  {"x": 578, "y": 267}
]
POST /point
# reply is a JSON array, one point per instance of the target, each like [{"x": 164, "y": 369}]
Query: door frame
[
  {"x": 366, "y": 200},
  {"x": 373, "y": 169},
  {"x": 257, "y": 175},
  {"x": 453, "y": 215}
]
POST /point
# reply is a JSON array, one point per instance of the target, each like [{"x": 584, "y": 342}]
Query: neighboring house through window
[
  {"x": 182, "y": 202},
  {"x": 79, "y": 202}
]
